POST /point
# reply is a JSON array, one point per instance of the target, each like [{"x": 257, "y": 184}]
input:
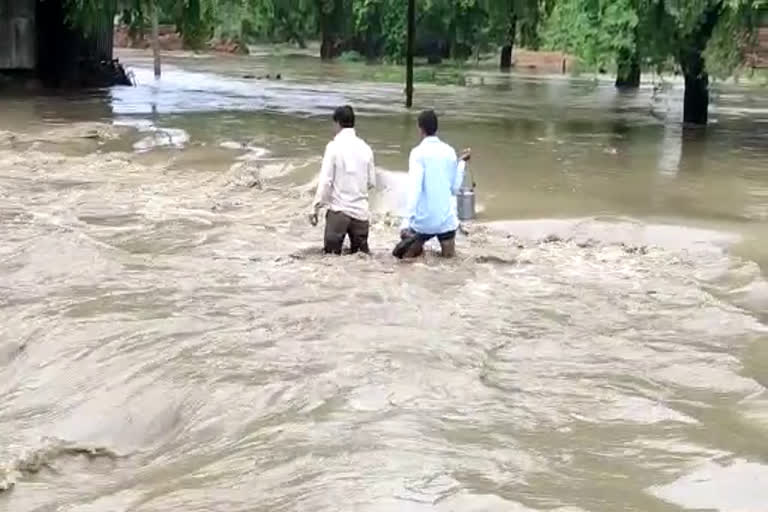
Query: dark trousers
[
  {"x": 412, "y": 244},
  {"x": 338, "y": 225}
]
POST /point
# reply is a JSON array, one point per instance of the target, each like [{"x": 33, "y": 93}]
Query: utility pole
[
  {"x": 156, "y": 38},
  {"x": 409, "y": 53}
]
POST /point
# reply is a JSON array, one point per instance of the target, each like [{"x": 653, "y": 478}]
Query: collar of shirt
[{"x": 346, "y": 132}]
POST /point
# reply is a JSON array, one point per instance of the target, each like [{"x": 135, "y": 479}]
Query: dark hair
[
  {"x": 345, "y": 116},
  {"x": 428, "y": 122}
]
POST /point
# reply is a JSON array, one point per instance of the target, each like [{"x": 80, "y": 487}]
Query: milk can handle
[{"x": 471, "y": 175}]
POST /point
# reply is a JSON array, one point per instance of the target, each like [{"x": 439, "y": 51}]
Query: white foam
[
  {"x": 618, "y": 231},
  {"x": 739, "y": 487},
  {"x": 163, "y": 137},
  {"x": 158, "y": 137},
  {"x": 230, "y": 144}
]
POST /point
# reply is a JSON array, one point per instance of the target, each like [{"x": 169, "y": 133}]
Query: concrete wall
[{"x": 17, "y": 34}]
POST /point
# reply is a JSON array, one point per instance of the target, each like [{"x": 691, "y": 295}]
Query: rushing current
[{"x": 172, "y": 339}]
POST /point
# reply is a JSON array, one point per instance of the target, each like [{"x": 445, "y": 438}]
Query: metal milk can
[{"x": 465, "y": 199}]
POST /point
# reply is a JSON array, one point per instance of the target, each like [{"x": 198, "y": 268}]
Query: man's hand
[
  {"x": 313, "y": 218},
  {"x": 466, "y": 154}
]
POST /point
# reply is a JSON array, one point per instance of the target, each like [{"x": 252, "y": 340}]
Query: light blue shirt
[{"x": 435, "y": 176}]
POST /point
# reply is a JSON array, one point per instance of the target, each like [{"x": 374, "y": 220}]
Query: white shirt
[{"x": 346, "y": 176}]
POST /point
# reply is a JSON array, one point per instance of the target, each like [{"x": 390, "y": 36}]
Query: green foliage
[
  {"x": 377, "y": 28},
  {"x": 725, "y": 51},
  {"x": 594, "y": 30},
  {"x": 717, "y": 30},
  {"x": 373, "y": 28},
  {"x": 195, "y": 20},
  {"x": 88, "y": 15},
  {"x": 601, "y": 33},
  {"x": 266, "y": 20},
  {"x": 510, "y": 20},
  {"x": 734, "y": 34},
  {"x": 351, "y": 56},
  {"x": 381, "y": 26}
]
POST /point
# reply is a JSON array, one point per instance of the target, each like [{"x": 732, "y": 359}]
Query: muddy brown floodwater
[{"x": 172, "y": 340}]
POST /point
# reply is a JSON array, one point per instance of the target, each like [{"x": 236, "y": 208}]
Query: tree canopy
[
  {"x": 601, "y": 33},
  {"x": 694, "y": 38}
]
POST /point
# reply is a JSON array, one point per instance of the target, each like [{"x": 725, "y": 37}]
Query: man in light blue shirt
[{"x": 435, "y": 176}]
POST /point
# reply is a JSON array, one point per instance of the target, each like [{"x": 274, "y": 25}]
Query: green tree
[
  {"x": 689, "y": 27},
  {"x": 377, "y": 28},
  {"x": 89, "y": 15},
  {"x": 504, "y": 15},
  {"x": 594, "y": 30},
  {"x": 276, "y": 20},
  {"x": 507, "y": 18},
  {"x": 601, "y": 32},
  {"x": 334, "y": 20},
  {"x": 696, "y": 37},
  {"x": 380, "y": 28}
]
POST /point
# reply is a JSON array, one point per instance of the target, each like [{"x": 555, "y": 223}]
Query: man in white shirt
[{"x": 346, "y": 176}]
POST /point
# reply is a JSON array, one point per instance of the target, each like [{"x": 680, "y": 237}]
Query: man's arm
[
  {"x": 458, "y": 177},
  {"x": 371, "y": 173},
  {"x": 461, "y": 167},
  {"x": 325, "y": 180},
  {"x": 415, "y": 181}
]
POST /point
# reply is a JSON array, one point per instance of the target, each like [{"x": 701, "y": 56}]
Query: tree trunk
[
  {"x": 506, "y": 50},
  {"x": 691, "y": 59},
  {"x": 326, "y": 47},
  {"x": 156, "y": 39},
  {"x": 409, "y": 53},
  {"x": 142, "y": 24},
  {"x": 332, "y": 27},
  {"x": 195, "y": 27},
  {"x": 67, "y": 57},
  {"x": 371, "y": 49},
  {"x": 696, "y": 100},
  {"x": 628, "y": 70},
  {"x": 506, "y": 57}
]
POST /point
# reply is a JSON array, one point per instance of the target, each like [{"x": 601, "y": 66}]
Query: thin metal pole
[
  {"x": 156, "y": 38},
  {"x": 409, "y": 53}
]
